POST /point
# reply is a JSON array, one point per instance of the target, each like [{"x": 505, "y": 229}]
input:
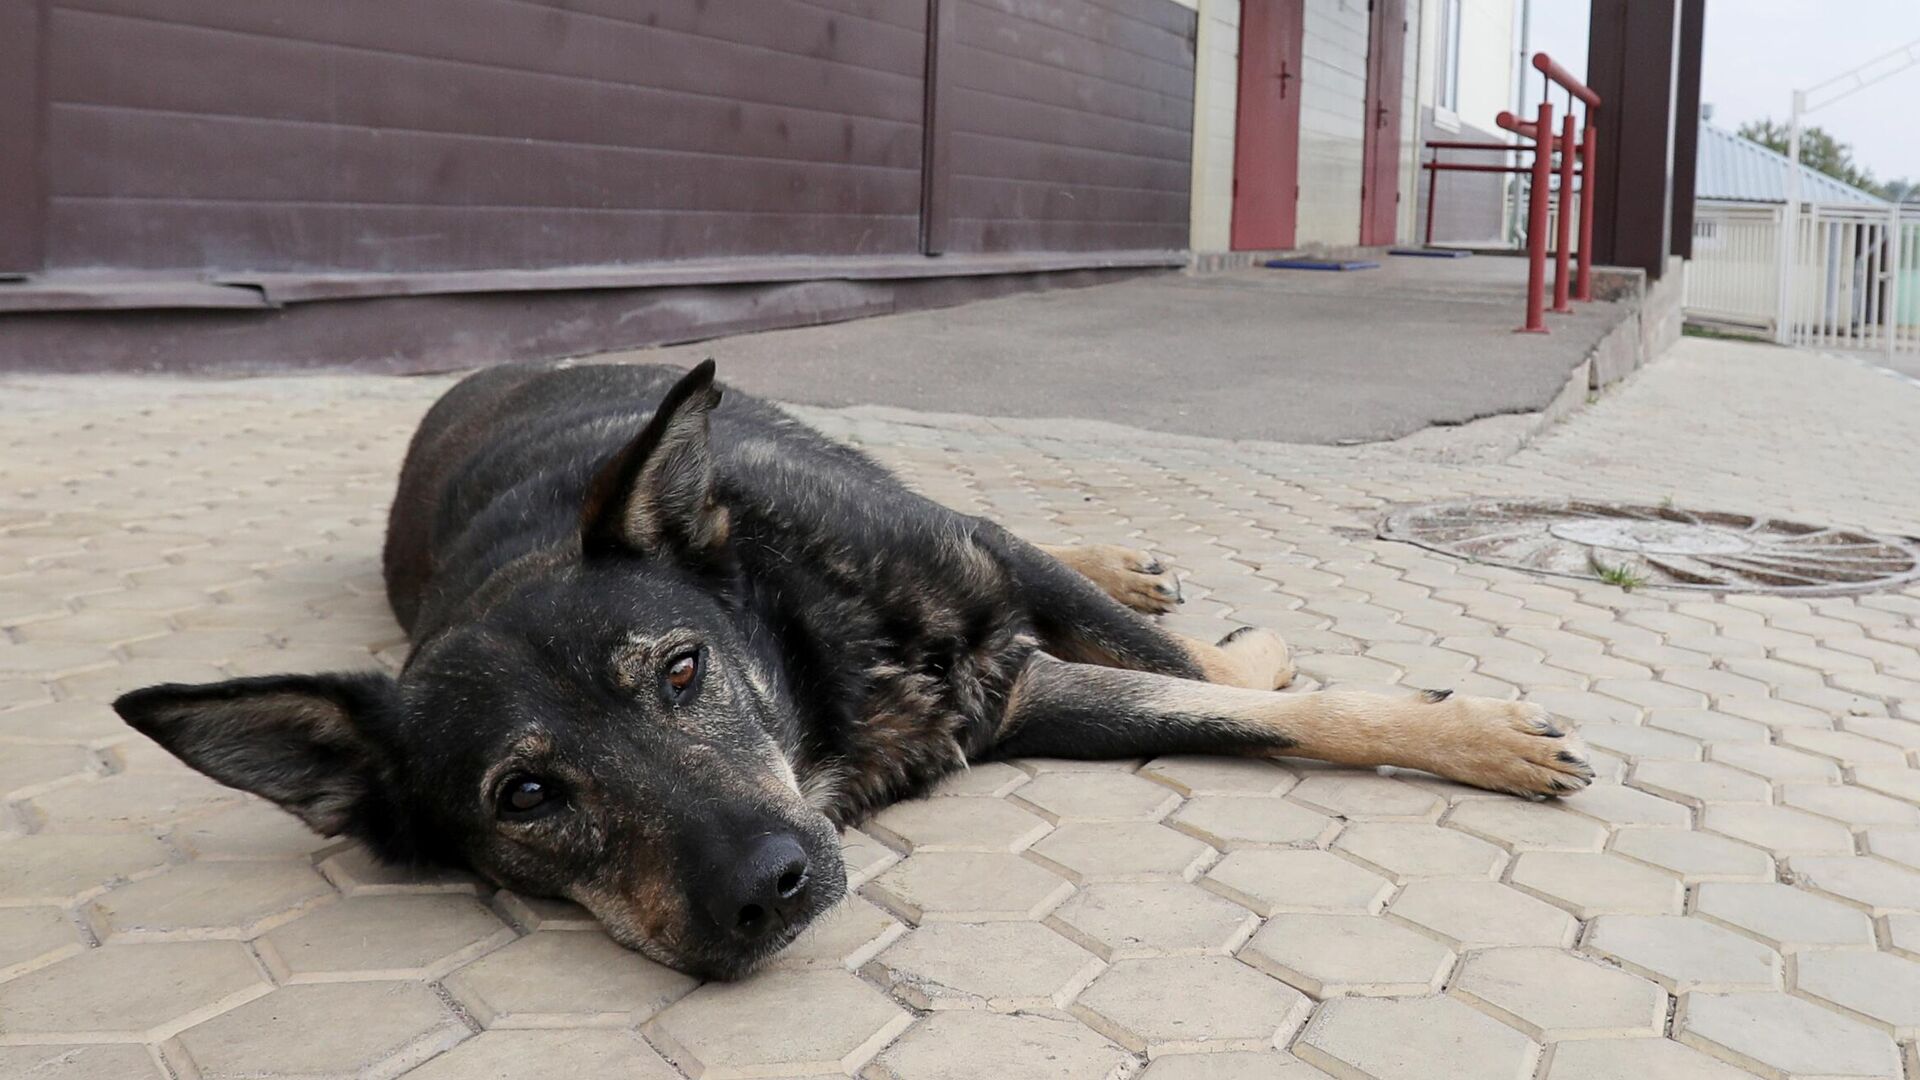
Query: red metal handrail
[{"x": 1558, "y": 74}]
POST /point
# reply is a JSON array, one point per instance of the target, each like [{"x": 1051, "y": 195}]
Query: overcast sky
[{"x": 1757, "y": 51}]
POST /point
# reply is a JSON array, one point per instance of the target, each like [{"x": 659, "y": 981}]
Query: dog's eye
[
  {"x": 523, "y": 796},
  {"x": 681, "y": 680}
]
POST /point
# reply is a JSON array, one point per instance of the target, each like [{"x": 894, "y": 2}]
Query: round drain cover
[{"x": 1659, "y": 545}]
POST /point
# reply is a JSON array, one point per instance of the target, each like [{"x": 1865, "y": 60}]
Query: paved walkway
[
  {"x": 1294, "y": 355},
  {"x": 1740, "y": 895}
]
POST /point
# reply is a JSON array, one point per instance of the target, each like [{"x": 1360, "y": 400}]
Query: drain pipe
[{"x": 1520, "y": 65}]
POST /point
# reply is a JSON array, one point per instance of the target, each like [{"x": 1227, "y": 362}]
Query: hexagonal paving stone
[
  {"x": 1779, "y": 829},
  {"x": 328, "y": 1029},
  {"x": 532, "y": 913},
  {"x": 1269, "y": 881},
  {"x": 1698, "y": 783},
  {"x": 1219, "y": 776},
  {"x": 1779, "y": 1035},
  {"x": 1879, "y": 887},
  {"x": 866, "y": 857},
  {"x": 956, "y": 823},
  {"x": 32, "y": 937},
  {"x": 126, "y": 801},
  {"x": 1880, "y": 989},
  {"x": 62, "y": 870},
  {"x": 1125, "y": 920},
  {"x": 964, "y": 886},
  {"x": 1589, "y": 884},
  {"x": 1474, "y": 914},
  {"x": 131, "y": 993},
  {"x": 1899, "y": 783},
  {"x": 79, "y": 1063},
  {"x": 1168, "y": 1005},
  {"x": 1641, "y": 1059},
  {"x": 383, "y": 937},
  {"x": 1901, "y": 845},
  {"x": 1844, "y": 746},
  {"x": 1063, "y": 797},
  {"x": 27, "y": 770},
  {"x": 798, "y": 1022},
  {"x": 1617, "y": 805},
  {"x": 1407, "y": 852},
  {"x": 249, "y": 829},
  {"x": 965, "y": 1045},
  {"x": 1784, "y": 917},
  {"x": 543, "y": 1055},
  {"x": 1695, "y": 856},
  {"x": 1004, "y": 967},
  {"x": 1527, "y": 826},
  {"x": 1121, "y": 851},
  {"x": 1684, "y": 954},
  {"x": 1233, "y": 1065},
  {"x": 1435, "y": 1038},
  {"x": 209, "y": 899},
  {"x": 1332, "y": 956},
  {"x": 1903, "y": 934},
  {"x": 846, "y": 937},
  {"x": 565, "y": 978},
  {"x": 1233, "y": 821},
  {"x": 1366, "y": 796},
  {"x": 1776, "y": 763},
  {"x": 987, "y": 779},
  {"x": 1851, "y": 805},
  {"x": 357, "y": 872},
  {"x": 1552, "y": 995}
]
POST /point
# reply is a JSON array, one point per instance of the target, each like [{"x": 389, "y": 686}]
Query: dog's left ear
[
  {"x": 300, "y": 740},
  {"x": 656, "y": 496}
]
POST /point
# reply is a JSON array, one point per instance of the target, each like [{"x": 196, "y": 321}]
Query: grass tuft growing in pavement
[{"x": 1619, "y": 574}]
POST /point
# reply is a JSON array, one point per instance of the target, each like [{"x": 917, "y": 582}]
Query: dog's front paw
[
  {"x": 1510, "y": 746},
  {"x": 1138, "y": 579}
]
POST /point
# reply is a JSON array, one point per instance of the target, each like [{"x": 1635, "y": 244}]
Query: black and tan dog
[{"x": 654, "y": 672}]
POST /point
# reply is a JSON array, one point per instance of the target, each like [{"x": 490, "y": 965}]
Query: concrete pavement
[
  {"x": 1289, "y": 356},
  {"x": 1738, "y": 896}
]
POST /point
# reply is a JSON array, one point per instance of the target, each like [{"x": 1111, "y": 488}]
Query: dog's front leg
[{"x": 1061, "y": 709}]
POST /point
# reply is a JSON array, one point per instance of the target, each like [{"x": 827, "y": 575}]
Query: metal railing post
[
  {"x": 1894, "y": 257},
  {"x": 1537, "y": 222},
  {"x": 1583, "y": 283},
  {"x": 1562, "y": 280}
]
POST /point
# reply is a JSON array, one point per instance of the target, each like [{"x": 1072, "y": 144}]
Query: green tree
[{"x": 1819, "y": 151}]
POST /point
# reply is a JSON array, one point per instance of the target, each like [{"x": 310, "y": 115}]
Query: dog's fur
[{"x": 569, "y": 559}]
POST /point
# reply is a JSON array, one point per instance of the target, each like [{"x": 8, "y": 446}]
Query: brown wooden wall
[
  {"x": 1070, "y": 124},
  {"x": 409, "y": 135}
]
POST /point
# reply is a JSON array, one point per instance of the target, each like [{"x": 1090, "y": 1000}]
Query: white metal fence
[{"x": 1855, "y": 280}]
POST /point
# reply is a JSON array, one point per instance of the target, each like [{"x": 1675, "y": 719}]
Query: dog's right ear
[
  {"x": 656, "y": 496},
  {"x": 299, "y": 740}
]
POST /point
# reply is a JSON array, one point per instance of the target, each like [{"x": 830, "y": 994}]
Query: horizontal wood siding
[
  {"x": 1071, "y": 122},
  {"x": 374, "y": 135}
]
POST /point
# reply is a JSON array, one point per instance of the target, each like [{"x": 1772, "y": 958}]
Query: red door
[
  {"x": 1266, "y": 140},
  {"x": 1380, "y": 156}
]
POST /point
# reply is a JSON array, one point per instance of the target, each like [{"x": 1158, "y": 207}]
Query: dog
[{"x": 662, "y": 654}]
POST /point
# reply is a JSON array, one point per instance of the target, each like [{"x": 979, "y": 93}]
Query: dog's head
[{"x": 600, "y": 726}]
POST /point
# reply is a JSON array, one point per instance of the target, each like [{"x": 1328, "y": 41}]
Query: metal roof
[{"x": 1734, "y": 168}]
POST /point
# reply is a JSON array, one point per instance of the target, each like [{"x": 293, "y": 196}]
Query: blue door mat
[
  {"x": 1430, "y": 253},
  {"x": 1322, "y": 264}
]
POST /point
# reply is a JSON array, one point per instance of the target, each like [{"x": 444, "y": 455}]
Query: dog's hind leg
[
  {"x": 1136, "y": 578},
  {"x": 1061, "y": 709}
]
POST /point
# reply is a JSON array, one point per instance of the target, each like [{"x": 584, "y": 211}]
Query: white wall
[{"x": 1215, "y": 96}]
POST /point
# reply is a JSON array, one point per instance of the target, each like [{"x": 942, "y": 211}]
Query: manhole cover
[{"x": 1659, "y": 545}]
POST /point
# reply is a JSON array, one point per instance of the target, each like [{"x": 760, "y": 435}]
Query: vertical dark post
[
  {"x": 1633, "y": 64},
  {"x": 1433, "y": 192},
  {"x": 1686, "y": 134},
  {"x": 936, "y": 174},
  {"x": 1583, "y": 283},
  {"x": 23, "y": 110},
  {"x": 1537, "y": 221},
  {"x": 1563, "y": 221}
]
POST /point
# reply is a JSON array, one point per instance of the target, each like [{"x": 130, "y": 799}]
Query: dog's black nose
[{"x": 765, "y": 890}]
